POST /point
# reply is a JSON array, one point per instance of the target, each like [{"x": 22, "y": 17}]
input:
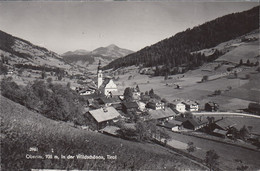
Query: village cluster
[{"x": 107, "y": 106}]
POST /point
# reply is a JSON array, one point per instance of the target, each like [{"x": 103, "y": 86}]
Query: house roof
[
  {"x": 190, "y": 103},
  {"x": 177, "y": 102},
  {"x": 130, "y": 105},
  {"x": 110, "y": 130},
  {"x": 225, "y": 123},
  {"x": 196, "y": 122},
  {"x": 175, "y": 122},
  {"x": 104, "y": 114},
  {"x": 219, "y": 131},
  {"x": 104, "y": 83},
  {"x": 106, "y": 100},
  {"x": 212, "y": 103},
  {"x": 161, "y": 113},
  {"x": 154, "y": 101},
  {"x": 254, "y": 106}
]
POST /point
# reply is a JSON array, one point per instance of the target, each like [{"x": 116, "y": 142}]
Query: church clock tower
[{"x": 99, "y": 75}]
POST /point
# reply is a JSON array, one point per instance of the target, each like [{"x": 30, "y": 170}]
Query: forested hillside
[{"x": 176, "y": 51}]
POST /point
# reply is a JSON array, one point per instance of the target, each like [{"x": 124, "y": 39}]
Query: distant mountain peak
[
  {"x": 76, "y": 52},
  {"x": 112, "y": 46},
  {"x": 112, "y": 50}
]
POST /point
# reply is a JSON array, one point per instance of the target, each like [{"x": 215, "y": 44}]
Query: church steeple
[
  {"x": 99, "y": 66},
  {"x": 99, "y": 75}
]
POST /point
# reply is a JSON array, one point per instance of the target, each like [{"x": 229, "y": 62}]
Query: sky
[{"x": 63, "y": 26}]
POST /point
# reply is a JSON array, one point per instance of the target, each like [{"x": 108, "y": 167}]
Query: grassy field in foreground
[{"x": 22, "y": 129}]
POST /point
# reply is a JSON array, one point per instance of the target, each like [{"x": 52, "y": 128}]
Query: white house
[
  {"x": 191, "y": 106},
  {"x": 179, "y": 106}
]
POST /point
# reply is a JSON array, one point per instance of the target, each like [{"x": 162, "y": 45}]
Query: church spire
[
  {"x": 99, "y": 75},
  {"x": 99, "y": 65}
]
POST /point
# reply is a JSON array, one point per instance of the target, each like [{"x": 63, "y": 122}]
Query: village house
[
  {"x": 108, "y": 101},
  {"x": 161, "y": 115},
  {"x": 211, "y": 107},
  {"x": 87, "y": 91},
  {"x": 191, "y": 106},
  {"x": 102, "y": 117},
  {"x": 220, "y": 133},
  {"x": 224, "y": 124},
  {"x": 221, "y": 127},
  {"x": 128, "y": 107},
  {"x": 136, "y": 94},
  {"x": 195, "y": 123},
  {"x": 254, "y": 108},
  {"x": 174, "y": 125},
  {"x": 155, "y": 104},
  {"x": 145, "y": 98},
  {"x": 179, "y": 106}
]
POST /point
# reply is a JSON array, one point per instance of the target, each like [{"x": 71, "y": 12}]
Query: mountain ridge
[
  {"x": 22, "y": 52},
  {"x": 176, "y": 50},
  {"x": 106, "y": 54}
]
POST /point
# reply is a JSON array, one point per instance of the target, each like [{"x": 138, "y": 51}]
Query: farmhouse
[
  {"x": 220, "y": 133},
  {"x": 179, "y": 106},
  {"x": 86, "y": 92},
  {"x": 136, "y": 94},
  {"x": 161, "y": 115},
  {"x": 173, "y": 125},
  {"x": 102, "y": 117},
  {"x": 191, "y": 106},
  {"x": 108, "y": 101},
  {"x": 129, "y": 107},
  {"x": 155, "y": 104},
  {"x": 211, "y": 107},
  {"x": 145, "y": 98},
  {"x": 194, "y": 123},
  {"x": 254, "y": 108},
  {"x": 224, "y": 124}
]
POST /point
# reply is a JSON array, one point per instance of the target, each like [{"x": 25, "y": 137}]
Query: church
[{"x": 105, "y": 85}]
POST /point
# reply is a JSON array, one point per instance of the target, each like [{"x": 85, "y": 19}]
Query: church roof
[{"x": 105, "y": 82}]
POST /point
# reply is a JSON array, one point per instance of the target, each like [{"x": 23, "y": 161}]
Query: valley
[{"x": 187, "y": 102}]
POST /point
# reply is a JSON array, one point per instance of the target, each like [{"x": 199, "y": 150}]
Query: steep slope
[
  {"x": 22, "y": 129},
  {"x": 19, "y": 51},
  {"x": 176, "y": 51}
]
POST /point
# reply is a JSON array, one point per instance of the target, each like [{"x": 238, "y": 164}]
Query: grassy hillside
[
  {"x": 242, "y": 51},
  {"x": 22, "y": 52},
  {"x": 22, "y": 129}
]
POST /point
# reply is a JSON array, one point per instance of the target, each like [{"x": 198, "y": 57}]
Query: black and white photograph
[{"x": 129, "y": 85}]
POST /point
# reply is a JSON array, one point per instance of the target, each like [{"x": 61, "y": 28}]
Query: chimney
[{"x": 104, "y": 109}]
